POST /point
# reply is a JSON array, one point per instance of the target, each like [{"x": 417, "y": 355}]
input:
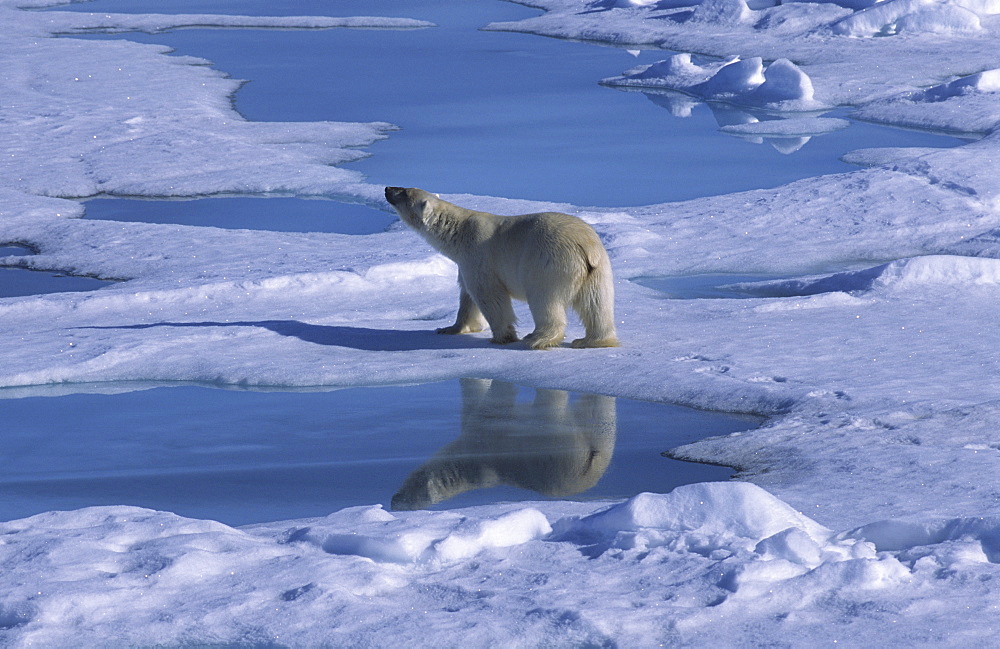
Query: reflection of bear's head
[{"x": 413, "y": 205}]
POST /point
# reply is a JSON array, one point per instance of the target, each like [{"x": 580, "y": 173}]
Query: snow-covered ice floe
[
  {"x": 705, "y": 565},
  {"x": 870, "y": 500},
  {"x": 104, "y": 130}
]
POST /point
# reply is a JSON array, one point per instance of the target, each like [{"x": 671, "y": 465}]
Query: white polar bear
[{"x": 550, "y": 260}]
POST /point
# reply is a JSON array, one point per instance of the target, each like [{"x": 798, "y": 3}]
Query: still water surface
[
  {"x": 18, "y": 282},
  {"x": 242, "y": 456},
  {"x": 495, "y": 113}
]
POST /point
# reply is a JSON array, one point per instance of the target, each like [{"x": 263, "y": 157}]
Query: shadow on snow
[{"x": 375, "y": 340}]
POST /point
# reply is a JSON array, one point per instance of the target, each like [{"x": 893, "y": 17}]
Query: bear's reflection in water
[{"x": 552, "y": 445}]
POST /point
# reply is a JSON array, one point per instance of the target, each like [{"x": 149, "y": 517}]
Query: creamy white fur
[{"x": 552, "y": 261}]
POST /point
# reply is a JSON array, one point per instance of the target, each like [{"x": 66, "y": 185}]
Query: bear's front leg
[
  {"x": 494, "y": 303},
  {"x": 469, "y": 319}
]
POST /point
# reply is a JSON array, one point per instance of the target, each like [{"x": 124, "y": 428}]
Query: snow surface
[{"x": 868, "y": 511}]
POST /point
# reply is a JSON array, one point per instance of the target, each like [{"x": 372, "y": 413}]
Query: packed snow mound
[
  {"x": 981, "y": 82},
  {"x": 939, "y": 270},
  {"x": 958, "y": 540},
  {"x": 722, "y": 12},
  {"x": 378, "y": 535},
  {"x": 905, "y": 274},
  {"x": 967, "y": 103},
  {"x": 913, "y": 16},
  {"x": 782, "y": 85},
  {"x": 703, "y": 518}
]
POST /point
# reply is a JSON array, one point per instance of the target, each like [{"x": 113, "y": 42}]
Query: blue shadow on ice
[{"x": 362, "y": 338}]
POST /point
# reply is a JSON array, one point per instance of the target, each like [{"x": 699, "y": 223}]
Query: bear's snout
[{"x": 394, "y": 194}]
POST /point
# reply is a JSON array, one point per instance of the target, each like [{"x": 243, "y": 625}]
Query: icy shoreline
[{"x": 880, "y": 515}]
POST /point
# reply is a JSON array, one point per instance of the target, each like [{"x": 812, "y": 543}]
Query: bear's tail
[{"x": 595, "y": 301}]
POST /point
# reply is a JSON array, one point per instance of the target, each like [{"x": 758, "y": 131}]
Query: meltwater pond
[
  {"x": 735, "y": 286},
  {"x": 494, "y": 113},
  {"x": 706, "y": 286},
  {"x": 243, "y": 456},
  {"x": 18, "y": 282}
]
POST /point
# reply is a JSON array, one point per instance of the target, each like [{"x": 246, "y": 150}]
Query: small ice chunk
[
  {"x": 792, "y": 545},
  {"x": 795, "y": 127},
  {"x": 515, "y": 528},
  {"x": 384, "y": 538}
]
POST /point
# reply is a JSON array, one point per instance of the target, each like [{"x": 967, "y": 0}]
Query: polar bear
[{"x": 550, "y": 260}]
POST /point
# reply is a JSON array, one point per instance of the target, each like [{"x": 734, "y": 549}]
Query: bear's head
[{"x": 413, "y": 205}]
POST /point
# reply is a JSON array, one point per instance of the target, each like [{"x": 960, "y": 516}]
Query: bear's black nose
[{"x": 392, "y": 193}]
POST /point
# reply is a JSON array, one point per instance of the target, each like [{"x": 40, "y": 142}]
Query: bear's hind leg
[{"x": 595, "y": 305}]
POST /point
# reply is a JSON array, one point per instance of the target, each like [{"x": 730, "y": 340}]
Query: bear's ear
[{"x": 426, "y": 210}]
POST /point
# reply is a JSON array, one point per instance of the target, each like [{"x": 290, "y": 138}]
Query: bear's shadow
[{"x": 362, "y": 338}]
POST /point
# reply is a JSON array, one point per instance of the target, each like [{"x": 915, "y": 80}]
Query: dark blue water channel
[{"x": 243, "y": 457}]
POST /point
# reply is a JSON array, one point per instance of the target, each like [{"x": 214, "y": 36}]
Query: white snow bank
[
  {"x": 703, "y": 518},
  {"x": 928, "y": 16},
  {"x": 781, "y": 85},
  {"x": 985, "y": 81},
  {"x": 909, "y": 16},
  {"x": 655, "y": 567},
  {"x": 380, "y": 536}
]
